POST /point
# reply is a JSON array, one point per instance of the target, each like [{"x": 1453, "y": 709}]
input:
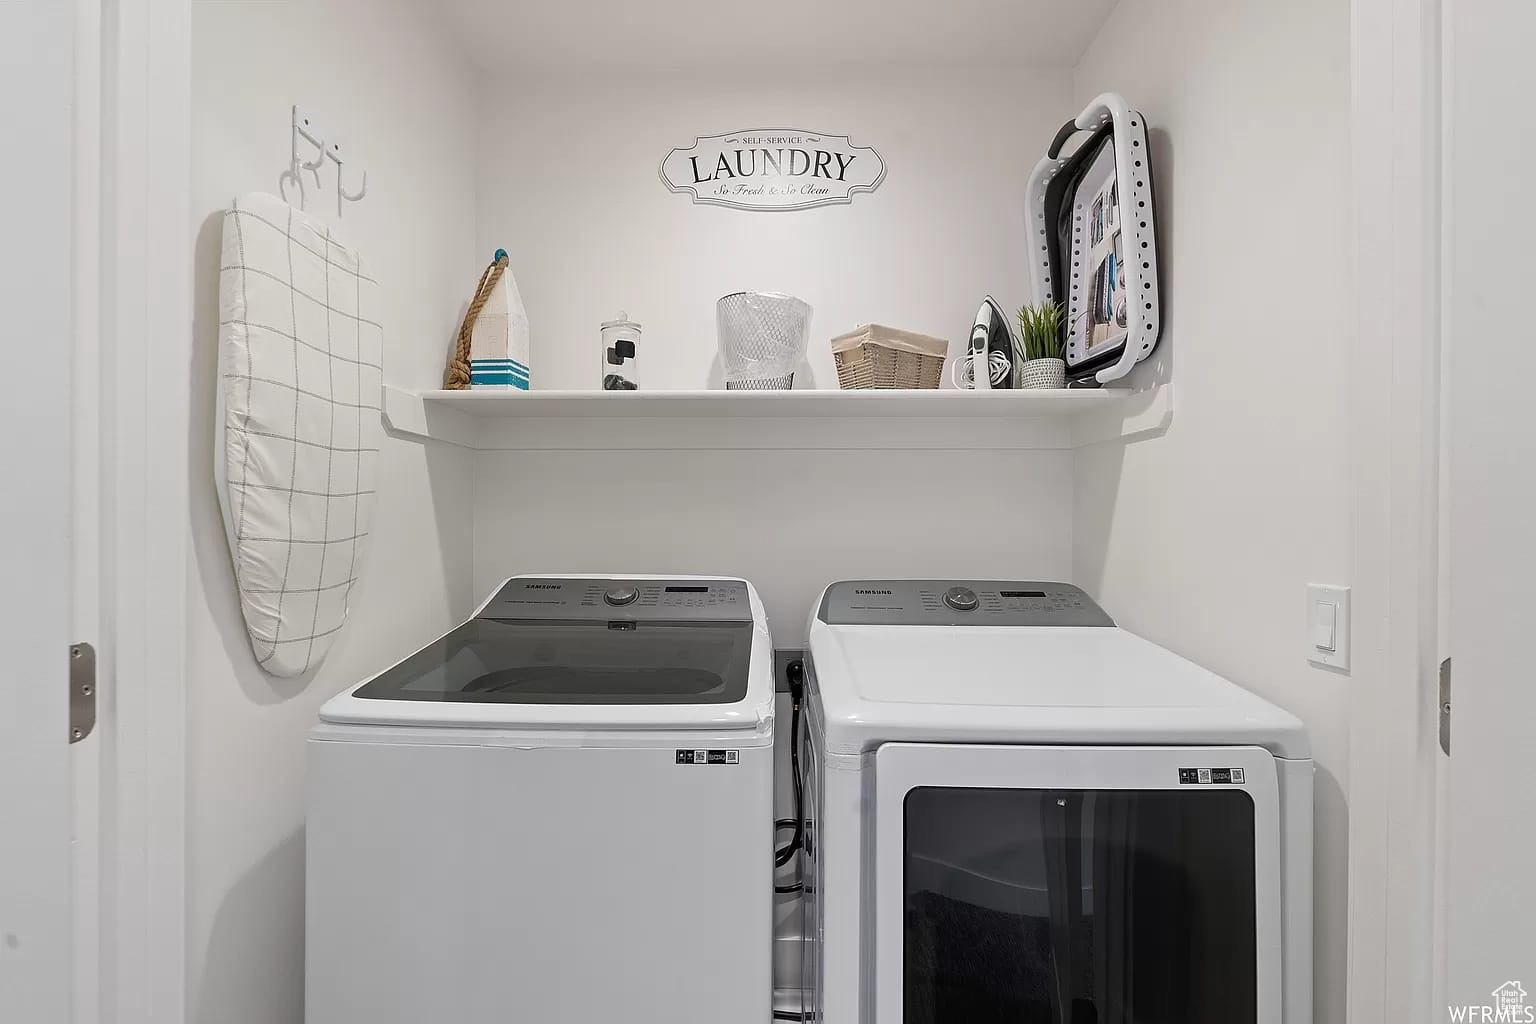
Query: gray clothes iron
[{"x": 991, "y": 346}]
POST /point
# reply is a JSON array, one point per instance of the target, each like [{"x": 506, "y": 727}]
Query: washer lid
[
  {"x": 585, "y": 653},
  {"x": 542, "y": 661}
]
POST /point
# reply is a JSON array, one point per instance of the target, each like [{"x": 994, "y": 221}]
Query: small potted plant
[{"x": 1038, "y": 362}]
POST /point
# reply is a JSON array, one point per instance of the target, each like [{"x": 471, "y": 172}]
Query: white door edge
[
  {"x": 145, "y": 355},
  {"x": 1393, "y": 390},
  {"x": 1487, "y": 889},
  {"x": 86, "y": 756},
  {"x": 38, "y": 293}
]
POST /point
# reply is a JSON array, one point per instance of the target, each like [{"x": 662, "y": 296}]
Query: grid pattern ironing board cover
[{"x": 300, "y": 384}]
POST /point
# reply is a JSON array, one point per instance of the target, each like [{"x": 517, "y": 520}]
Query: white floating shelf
[{"x": 595, "y": 420}]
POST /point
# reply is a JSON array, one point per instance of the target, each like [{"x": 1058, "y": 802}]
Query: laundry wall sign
[{"x": 773, "y": 169}]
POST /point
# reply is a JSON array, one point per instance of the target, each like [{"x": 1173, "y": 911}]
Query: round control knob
[
  {"x": 961, "y": 599},
  {"x": 621, "y": 595}
]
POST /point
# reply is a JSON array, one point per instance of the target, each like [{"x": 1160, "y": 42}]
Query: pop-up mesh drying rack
[
  {"x": 1093, "y": 231},
  {"x": 762, "y": 337}
]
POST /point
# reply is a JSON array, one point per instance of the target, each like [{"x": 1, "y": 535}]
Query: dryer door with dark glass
[{"x": 1077, "y": 885}]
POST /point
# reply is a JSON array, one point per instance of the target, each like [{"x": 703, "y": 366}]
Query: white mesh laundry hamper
[{"x": 299, "y": 389}]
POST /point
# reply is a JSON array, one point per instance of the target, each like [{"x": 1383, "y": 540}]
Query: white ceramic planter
[{"x": 1043, "y": 373}]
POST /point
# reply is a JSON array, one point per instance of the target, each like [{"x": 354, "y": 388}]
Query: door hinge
[
  {"x": 82, "y": 691},
  {"x": 1445, "y": 706}
]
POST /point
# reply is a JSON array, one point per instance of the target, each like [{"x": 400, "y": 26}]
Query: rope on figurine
[{"x": 456, "y": 376}]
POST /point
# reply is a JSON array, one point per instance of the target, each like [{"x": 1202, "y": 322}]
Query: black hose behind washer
[{"x": 795, "y": 672}]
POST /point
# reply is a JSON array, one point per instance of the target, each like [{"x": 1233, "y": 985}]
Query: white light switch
[
  {"x": 1325, "y": 626},
  {"x": 1328, "y": 625}
]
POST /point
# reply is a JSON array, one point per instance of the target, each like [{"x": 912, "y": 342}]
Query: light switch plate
[{"x": 1327, "y": 613}]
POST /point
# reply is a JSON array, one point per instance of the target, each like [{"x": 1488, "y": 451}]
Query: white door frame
[
  {"x": 147, "y": 343},
  {"x": 1394, "y": 507},
  {"x": 144, "y": 472}
]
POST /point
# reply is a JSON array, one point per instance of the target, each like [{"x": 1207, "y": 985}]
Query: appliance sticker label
[
  {"x": 709, "y": 757},
  {"x": 773, "y": 169},
  {"x": 1212, "y": 777}
]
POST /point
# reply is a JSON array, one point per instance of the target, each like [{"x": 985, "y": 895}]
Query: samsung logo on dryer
[
  {"x": 873, "y": 593},
  {"x": 543, "y": 586}
]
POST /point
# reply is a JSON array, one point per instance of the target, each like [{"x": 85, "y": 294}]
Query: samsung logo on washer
[
  {"x": 773, "y": 169},
  {"x": 885, "y": 593}
]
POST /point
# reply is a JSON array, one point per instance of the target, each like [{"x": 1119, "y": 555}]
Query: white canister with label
[{"x": 621, "y": 352}]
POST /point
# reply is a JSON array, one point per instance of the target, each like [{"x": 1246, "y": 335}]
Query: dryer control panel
[
  {"x": 959, "y": 603},
  {"x": 644, "y": 599}
]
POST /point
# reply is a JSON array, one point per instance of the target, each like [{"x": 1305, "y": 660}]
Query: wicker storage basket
[{"x": 873, "y": 356}]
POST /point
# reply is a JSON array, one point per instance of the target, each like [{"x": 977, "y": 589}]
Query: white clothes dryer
[
  {"x": 1018, "y": 811},
  {"x": 560, "y": 811}
]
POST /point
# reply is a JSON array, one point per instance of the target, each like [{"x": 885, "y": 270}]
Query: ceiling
[{"x": 512, "y": 36}]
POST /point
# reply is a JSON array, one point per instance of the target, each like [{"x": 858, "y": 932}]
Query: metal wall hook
[
  {"x": 349, "y": 197},
  {"x": 342, "y": 195},
  {"x": 301, "y": 127},
  {"x": 306, "y": 128},
  {"x": 291, "y": 174},
  {"x": 314, "y": 168}
]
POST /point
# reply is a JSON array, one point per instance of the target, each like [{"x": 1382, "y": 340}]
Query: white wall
[
  {"x": 789, "y": 521},
  {"x": 1205, "y": 539},
  {"x": 569, "y": 186},
  {"x": 376, "y": 71}
]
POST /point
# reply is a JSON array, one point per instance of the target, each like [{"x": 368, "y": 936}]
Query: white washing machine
[
  {"x": 1018, "y": 811},
  {"x": 561, "y": 811}
]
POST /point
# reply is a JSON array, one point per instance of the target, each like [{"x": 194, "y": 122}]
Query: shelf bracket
[
  {"x": 1143, "y": 415},
  {"x": 406, "y": 414}
]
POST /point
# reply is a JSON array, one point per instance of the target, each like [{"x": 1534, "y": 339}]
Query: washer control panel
[
  {"x": 653, "y": 600},
  {"x": 959, "y": 603},
  {"x": 962, "y": 599},
  {"x": 621, "y": 595}
]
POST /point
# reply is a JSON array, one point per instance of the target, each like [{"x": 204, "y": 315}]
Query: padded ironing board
[{"x": 300, "y": 384}]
